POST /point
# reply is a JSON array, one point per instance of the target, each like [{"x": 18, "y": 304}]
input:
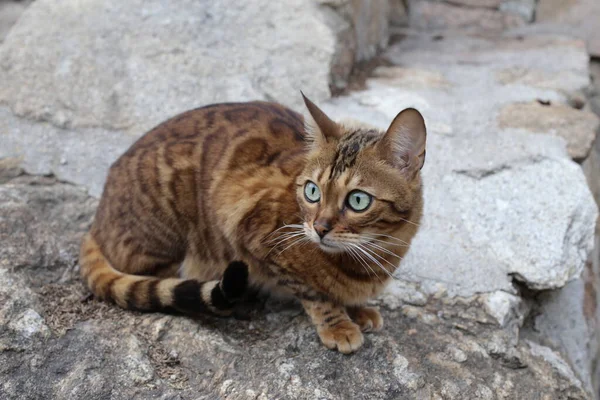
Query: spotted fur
[{"x": 202, "y": 205}]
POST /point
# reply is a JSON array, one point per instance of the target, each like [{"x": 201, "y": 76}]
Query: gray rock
[
  {"x": 577, "y": 127},
  {"x": 70, "y": 347},
  {"x": 10, "y": 11},
  {"x": 575, "y": 17},
  {"x": 362, "y": 31},
  {"x": 145, "y": 61},
  {"x": 564, "y": 323},
  {"x": 469, "y": 15}
]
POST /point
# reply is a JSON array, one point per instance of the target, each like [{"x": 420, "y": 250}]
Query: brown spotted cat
[{"x": 230, "y": 194}]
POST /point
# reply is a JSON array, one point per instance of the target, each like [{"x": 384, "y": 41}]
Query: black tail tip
[{"x": 235, "y": 280}]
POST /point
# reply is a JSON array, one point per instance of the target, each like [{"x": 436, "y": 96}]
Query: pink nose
[{"x": 322, "y": 228}]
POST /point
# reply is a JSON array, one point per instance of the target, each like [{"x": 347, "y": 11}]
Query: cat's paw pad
[
  {"x": 367, "y": 318},
  {"x": 344, "y": 336}
]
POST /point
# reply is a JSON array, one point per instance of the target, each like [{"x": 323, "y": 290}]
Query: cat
[{"x": 237, "y": 194}]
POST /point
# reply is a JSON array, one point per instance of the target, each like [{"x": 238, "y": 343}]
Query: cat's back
[
  {"x": 169, "y": 168},
  {"x": 229, "y": 123}
]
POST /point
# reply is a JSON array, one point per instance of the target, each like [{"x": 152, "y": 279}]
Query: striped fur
[
  {"x": 225, "y": 182},
  {"x": 145, "y": 293}
]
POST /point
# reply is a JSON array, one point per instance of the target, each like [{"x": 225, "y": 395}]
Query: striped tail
[{"x": 147, "y": 293}]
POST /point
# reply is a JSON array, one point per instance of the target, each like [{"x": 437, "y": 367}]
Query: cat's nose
[{"x": 322, "y": 228}]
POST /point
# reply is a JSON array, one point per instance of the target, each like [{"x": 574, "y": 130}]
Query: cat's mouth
[{"x": 325, "y": 243}]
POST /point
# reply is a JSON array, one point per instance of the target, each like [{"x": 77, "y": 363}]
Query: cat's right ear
[
  {"x": 320, "y": 127},
  {"x": 404, "y": 142}
]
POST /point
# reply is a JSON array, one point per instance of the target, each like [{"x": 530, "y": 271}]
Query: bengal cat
[{"x": 238, "y": 194}]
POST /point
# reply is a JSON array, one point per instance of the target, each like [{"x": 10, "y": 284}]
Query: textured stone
[
  {"x": 572, "y": 17},
  {"x": 440, "y": 16},
  {"x": 562, "y": 320},
  {"x": 87, "y": 348},
  {"x": 361, "y": 28},
  {"x": 398, "y": 14},
  {"x": 10, "y": 11},
  {"x": 557, "y": 80},
  {"x": 577, "y": 127},
  {"x": 144, "y": 61}
]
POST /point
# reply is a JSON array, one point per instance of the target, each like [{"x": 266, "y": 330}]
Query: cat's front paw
[
  {"x": 368, "y": 318},
  {"x": 345, "y": 336}
]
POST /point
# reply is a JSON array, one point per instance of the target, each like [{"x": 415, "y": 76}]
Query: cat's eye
[
  {"x": 312, "y": 192},
  {"x": 358, "y": 200}
]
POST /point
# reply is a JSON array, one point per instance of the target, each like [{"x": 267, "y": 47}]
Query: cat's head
[{"x": 361, "y": 185}]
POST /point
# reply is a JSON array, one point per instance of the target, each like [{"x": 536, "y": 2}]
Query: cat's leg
[
  {"x": 368, "y": 318},
  {"x": 334, "y": 326}
]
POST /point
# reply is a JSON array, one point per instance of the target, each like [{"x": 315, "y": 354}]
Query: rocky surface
[
  {"x": 10, "y": 11},
  {"x": 59, "y": 343},
  {"x": 574, "y": 17},
  {"x": 470, "y": 15},
  {"x": 489, "y": 304}
]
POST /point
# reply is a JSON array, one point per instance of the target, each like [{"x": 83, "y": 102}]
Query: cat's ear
[
  {"x": 321, "y": 128},
  {"x": 404, "y": 142}
]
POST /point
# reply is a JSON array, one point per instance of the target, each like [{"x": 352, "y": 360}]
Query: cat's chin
[{"x": 330, "y": 249}]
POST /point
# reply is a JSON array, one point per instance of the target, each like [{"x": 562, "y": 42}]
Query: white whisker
[
  {"x": 371, "y": 251},
  {"x": 380, "y": 248},
  {"x": 296, "y": 226},
  {"x": 295, "y": 242},
  {"x": 387, "y": 236},
  {"x": 410, "y": 222},
  {"x": 286, "y": 238},
  {"x": 364, "y": 263},
  {"x": 373, "y": 259},
  {"x": 351, "y": 253},
  {"x": 366, "y": 238}
]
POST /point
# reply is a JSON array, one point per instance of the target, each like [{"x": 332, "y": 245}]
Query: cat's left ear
[
  {"x": 404, "y": 142},
  {"x": 321, "y": 128}
]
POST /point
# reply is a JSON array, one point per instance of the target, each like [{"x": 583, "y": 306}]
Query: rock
[
  {"x": 362, "y": 31},
  {"x": 92, "y": 348},
  {"x": 10, "y": 11},
  {"x": 574, "y": 17},
  {"x": 398, "y": 13},
  {"x": 178, "y": 57},
  {"x": 21, "y": 325},
  {"x": 469, "y": 15},
  {"x": 565, "y": 79},
  {"x": 502, "y": 306},
  {"x": 28, "y": 239},
  {"x": 577, "y": 127},
  {"x": 561, "y": 319}
]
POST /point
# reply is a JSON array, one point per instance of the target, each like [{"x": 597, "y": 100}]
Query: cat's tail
[{"x": 147, "y": 293}]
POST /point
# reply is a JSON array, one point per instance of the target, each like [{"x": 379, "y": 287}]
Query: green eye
[
  {"x": 312, "y": 192},
  {"x": 359, "y": 201}
]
